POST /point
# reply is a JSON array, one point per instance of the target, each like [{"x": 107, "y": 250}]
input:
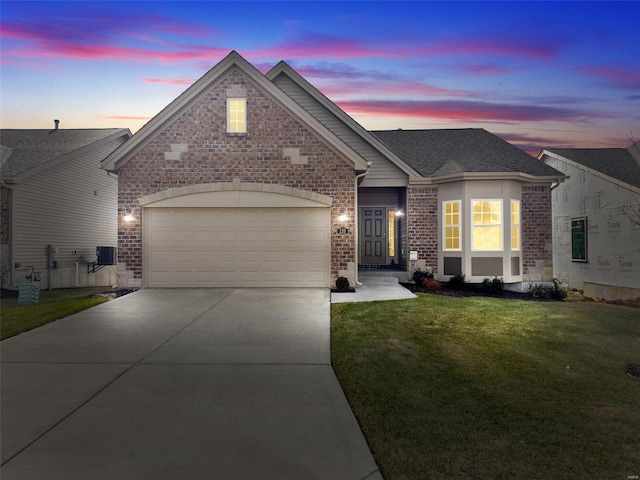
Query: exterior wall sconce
[
  {"x": 129, "y": 218},
  {"x": 343, "y": 217},
  {"x": 398, "y": 213}
]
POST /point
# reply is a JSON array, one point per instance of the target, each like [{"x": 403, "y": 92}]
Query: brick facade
[
  {"x": 196, "y": 149},
  {"x": 537, "y": 260},
  {"x": 422, "y": 223}
]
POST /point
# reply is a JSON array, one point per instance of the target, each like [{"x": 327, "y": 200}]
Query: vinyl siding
[
  {"x": 72, "y": 205},
  {"x": 381, "y": 168}
]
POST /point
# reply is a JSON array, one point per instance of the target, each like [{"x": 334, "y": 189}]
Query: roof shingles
[
  {"x": 448, "y": 151},
  {"x": 618, "y": 163},
  {"x": 23, "y": 150}
]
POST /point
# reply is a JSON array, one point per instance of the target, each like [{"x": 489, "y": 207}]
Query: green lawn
[
  {"x": 52, "y": 305},
  {"x": 487, "y": 388}
]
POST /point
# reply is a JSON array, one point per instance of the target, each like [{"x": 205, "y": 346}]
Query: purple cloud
[
  {"x": 468, "y": 111},
  {"x": 625, "y": 79}
]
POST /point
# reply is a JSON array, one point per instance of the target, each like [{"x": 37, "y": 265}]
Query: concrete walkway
[
  {"x": 181, "y": 384},
  {"x": 374, "y": 288}
]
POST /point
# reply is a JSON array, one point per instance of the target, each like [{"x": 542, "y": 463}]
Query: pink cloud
[
  {"x": 400, "y": 88},
  {"x": 99, "y": 36},
  {"x": 468, "y": 111},
  {"x": 171, "y": 81},
  {"x": 614, "y": 77},
  {"x": 480, "y": 69},
  {"x": 311, "y": 45},
  {"x": 123, "y": 117},
  {"x": 512, "y": 46}
]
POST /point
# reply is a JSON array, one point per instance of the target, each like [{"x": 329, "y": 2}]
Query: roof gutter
[{"x": 485, "y": 176}]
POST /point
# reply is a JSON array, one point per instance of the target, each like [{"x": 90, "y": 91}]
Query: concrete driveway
[{"x": 181, "y": 384}]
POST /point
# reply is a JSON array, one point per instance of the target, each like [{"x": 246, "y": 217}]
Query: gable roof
[
  {"x": 361, "y": 134},
  {"x": 183, "y": 101},
  {"x": 622, "y": 164},
  {"x": 26, "y": 152},
  {"x": 469, "y": 152}
]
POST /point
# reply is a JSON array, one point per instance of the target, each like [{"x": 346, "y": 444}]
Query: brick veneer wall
[
  {"x": 422, "y": 223},
  {"x": 203, "y": 152},
  {"x": 537, "y": 259}
]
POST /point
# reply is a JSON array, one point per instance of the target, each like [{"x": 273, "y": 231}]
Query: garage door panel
[{"x": 222, "y": 247}]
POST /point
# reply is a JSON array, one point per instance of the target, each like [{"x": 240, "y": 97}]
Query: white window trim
[
  {"x": 228, "y": 112},
  {"x": 444, "y": 227},
  {"x": 471, "y": 231}
]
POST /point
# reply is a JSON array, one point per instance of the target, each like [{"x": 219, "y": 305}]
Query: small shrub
[
  {"x": 493, "y": 287},
  {"x": 559, "y": 291},
  {"x": 420, "y": 275},
  {"x": 537, "y": 290},
  {"x": 457, "y": 282},
  {"x": 342, "y": 284},
  {"x": 431, "y": 284}
]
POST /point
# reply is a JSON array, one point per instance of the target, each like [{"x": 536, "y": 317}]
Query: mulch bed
[{"x": 472, "y": 292}]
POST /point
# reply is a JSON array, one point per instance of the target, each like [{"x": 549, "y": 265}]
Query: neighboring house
[
  {"x": 596, "y": 220},
  {"x": 58, "y": 205},
  {"x": 259, "y": 180}
]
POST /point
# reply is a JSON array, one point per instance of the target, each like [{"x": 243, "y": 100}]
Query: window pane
[
  {"x": 515, "y": 212},
  {"x": 451, "y": 221},
  {"x": 515, "y": 237},
  {"x": 452, "y": 238},
  {"x": 236, "y": 115},
  {"x": 579, "y": 240},
  {"x": 515, "y": 225},
  {"x": 487, "y": 238},
  {"x": 487, "y": 225},
  {"x": 392, "y": 233}
]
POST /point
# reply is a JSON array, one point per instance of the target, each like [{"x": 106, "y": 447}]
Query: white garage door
[{"x": 236, "y": 247}]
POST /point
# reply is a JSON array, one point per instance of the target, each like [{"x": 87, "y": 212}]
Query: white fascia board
[
  {"x": 615, "y": 181},
  {"x": 476, "y": 176},
  {"x": 146, "y": 133},
  {"x": 284, "y": 68}
]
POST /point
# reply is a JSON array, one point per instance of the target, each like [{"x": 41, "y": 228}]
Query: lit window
[
  {"x": 236, "y": 115},
  {"x": 515, "y": 224},
  {"x": 487, "y": 225},
  {"x": 451, "y": 222},
  {"x": 392, "y": 233}
]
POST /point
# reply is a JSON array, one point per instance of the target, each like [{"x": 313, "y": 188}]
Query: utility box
[
  {"x": 28, "y": 293},
  {"x": 107, "y": 255}
]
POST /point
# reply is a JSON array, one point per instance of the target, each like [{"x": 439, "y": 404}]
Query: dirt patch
[
  {"x": 633, "y": 370},
  {"x": 114, "y": 293}
]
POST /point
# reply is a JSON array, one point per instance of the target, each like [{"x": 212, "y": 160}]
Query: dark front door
[{"x": 373, "y": 236}]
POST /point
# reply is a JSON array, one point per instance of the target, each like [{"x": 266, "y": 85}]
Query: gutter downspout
[{"x": 355, "y": 224}]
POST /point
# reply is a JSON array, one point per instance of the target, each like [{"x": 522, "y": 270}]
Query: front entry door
[{"x": 373, "y": 239}]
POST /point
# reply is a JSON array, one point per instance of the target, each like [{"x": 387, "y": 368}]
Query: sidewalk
[{"x": 374, "y": 288}]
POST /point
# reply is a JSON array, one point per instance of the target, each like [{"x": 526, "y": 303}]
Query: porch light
[
  {"x": 129, "y": 218},
  {"x": 343, "y": 217},
  {"x": 398, "y": 213}
]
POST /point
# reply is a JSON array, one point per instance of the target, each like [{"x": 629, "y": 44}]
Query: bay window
[{"x": 486, "y": 226}]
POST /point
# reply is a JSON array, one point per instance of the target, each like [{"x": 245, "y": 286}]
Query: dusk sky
[{"x": 538, "y": 74}]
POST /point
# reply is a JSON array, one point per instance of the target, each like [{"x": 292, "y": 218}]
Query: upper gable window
[{"x": 236, "y": 115}]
